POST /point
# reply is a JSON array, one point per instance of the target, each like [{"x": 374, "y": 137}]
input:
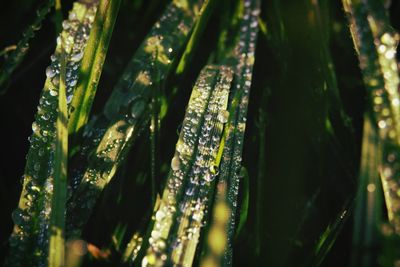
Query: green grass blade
[
  {"x": 178, "y": 220},
  {"x": 376, "y": 44},
  {"x": 29, "y": 240},
  {"x": 57, "y": 216},
  {"x": 15, "y": 58},
  {"x": 127, "y": 110},
  {"x": 92, "y": 64},
  {"x": 368, "y": 211},
  {"x": 204, "y": 15},
  {"x": 242, "y": 60}
]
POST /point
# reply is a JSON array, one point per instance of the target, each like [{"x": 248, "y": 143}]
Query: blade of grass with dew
[
  {"x": 184, "y": 203},
  {"x": 376, "y": 44},
  {"x": 368, "y": 213},
  {"x": 127, "y": 110},
  {"x": 16, "y": 56},
  {"x": 29, "y": 240},
  {"x": 57, "y": 213},
  {"x": 92, "y": 65},
  {"x": 242, "y": 59}
]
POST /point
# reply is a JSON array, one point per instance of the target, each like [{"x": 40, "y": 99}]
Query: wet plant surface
[{"x": 205, "y": 133}]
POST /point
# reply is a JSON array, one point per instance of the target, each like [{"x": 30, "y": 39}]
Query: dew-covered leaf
[{"x": 30, "y": 238}]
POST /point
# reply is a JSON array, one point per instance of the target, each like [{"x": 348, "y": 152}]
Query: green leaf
[
  {"x": 29, "y": 241},
  {"x": 92, "y": 64}
]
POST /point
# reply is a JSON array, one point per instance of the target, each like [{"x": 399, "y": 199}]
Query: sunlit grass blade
[
  {"x": 376, "y": 44},
  {"x": 30, "y": 237},
  {"x": 15, "y": 57},
  {"x": 198, "y": 29},
  {"x": 127, "y": 110},
  {"x": 189, "y": 186},
  {"x": 368, "y": 211},
  {"x": 242, "y": 60},
  {"x": 92, "y": 64},
  {"x": 58, "y": 199}
]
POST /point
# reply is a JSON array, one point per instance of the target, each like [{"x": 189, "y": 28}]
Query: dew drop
[
  {"x": 34, "y": 126},
  {"x": 50, "y": 73},
  {"x": 53, "y": 92},
  {"x": 223, "y": 116},
  {"x": 175, "y": 163},
  {"x": 77, "y": 57}
]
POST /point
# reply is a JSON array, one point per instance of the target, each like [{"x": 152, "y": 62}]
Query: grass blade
[
  {"x": 92, "y": 64},
  {"x": 29, "y": 240},
  {"x": 178, "y": 220},
  {"x": 368, "y": 214},
  {"x": 376, "y": 44},
  {"x": 127, "y": 110},
  {"x": 57, "y": 216},
  {"x": 243, "y": 60},
  {"x": 16, "y": 56}
]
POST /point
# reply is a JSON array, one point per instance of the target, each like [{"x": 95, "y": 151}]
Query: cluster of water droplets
[
  {"x": 125, "y": 113},
  {"x": 180, "y": 216},
  {"x": 32, "y": 216}
]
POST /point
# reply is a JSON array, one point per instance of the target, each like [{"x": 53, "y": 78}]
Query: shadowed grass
[{"x": 16, "y": 56}]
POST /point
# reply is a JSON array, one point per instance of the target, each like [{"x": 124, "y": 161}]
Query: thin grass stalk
[
  {"x": 329, "y": 236},
  {"x": 57, "y": 216},
  {"x": 92, "y": 64},
  {"x": 30, "y": 237},
  {"x": 376, "y": 44},
  {"x": 184, "y": 203},
  {"x": 127, "y": 110},
  {"x": 15, "y": 57}
]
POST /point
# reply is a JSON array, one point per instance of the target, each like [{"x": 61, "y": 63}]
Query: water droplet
[
  {"x": 223, "y": 116},
  {"x": 53, "y": 92},
  {"x": 50, "y": 73},
  {"x": 77, "y": 57},
  {"x": 137, "y": 108},
  {"x": 69, "y": 98},
  {"x": 175, "y": 163},
  {"x": 36, "y": 167},
  {"x": 34, "y": 126}
]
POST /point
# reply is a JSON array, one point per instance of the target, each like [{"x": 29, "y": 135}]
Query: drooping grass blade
[
  {"x": 180, "y": 216},
  {"x": 16, "y": 56},
  {"x": 29, "y": 240},
  {"x": 92, "y": 64},
  {"x": 376, "y": 44},
  {"x": 127, "y": 110}
]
